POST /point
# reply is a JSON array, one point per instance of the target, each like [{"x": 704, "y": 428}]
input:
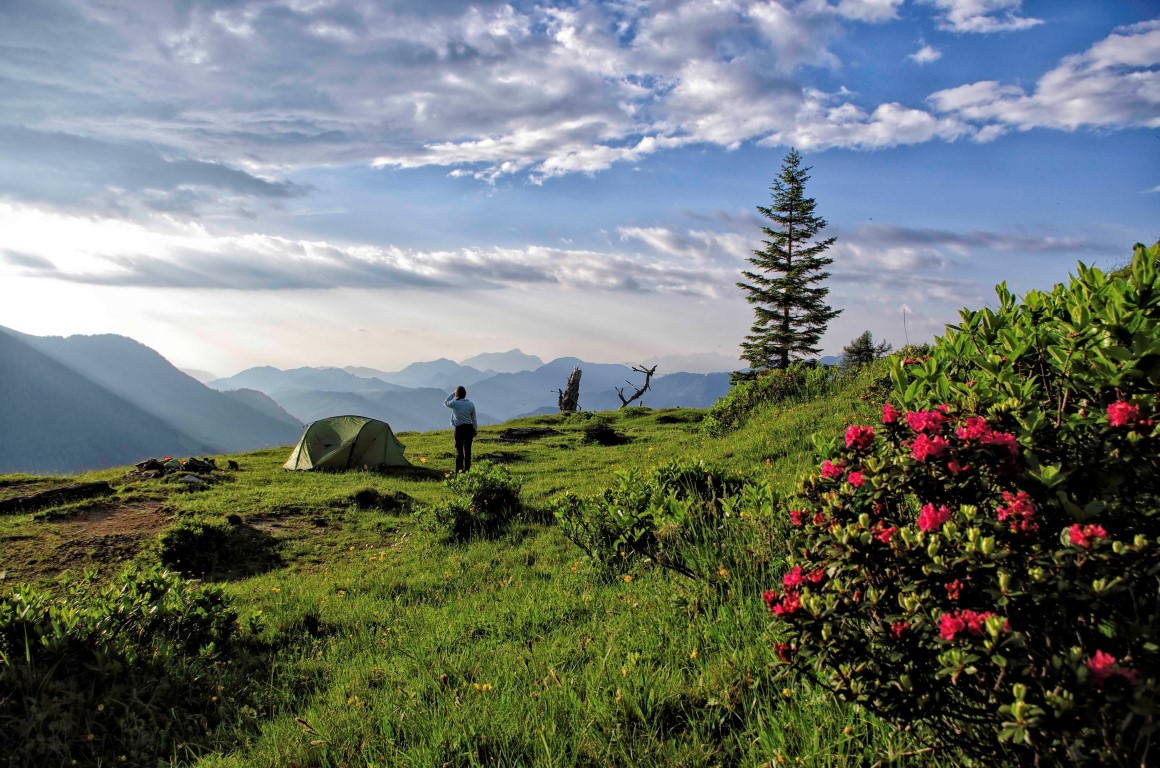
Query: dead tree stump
[{"x": 570, "y": 395}]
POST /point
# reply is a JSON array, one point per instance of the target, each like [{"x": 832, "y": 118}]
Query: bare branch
[{"x": 648, "y": 374}]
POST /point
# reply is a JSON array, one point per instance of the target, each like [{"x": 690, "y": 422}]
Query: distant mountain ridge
[
  {"x": 85, "y": 402},
  {"x": 412, "y": 399}
]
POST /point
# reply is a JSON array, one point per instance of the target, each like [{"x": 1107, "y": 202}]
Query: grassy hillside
[{"x": 374, "y": 641}]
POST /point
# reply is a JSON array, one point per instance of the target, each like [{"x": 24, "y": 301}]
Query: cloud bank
[{"x": 200, "y": 106}]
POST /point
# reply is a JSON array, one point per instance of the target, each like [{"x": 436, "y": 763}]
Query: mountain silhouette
[
  {"x": 57, "y": 421},
  {"x": 85, "y": 402},
  {"x": 149, "y": 381}
]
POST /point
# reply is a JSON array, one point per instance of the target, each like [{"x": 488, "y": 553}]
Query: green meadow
[{"x": 370, "y": 639}]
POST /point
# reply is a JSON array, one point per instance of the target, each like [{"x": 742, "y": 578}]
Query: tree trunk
[{"x": 570, "y": 395}]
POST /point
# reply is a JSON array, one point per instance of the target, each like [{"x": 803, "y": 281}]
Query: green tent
[{"x": 347, "y": 442}]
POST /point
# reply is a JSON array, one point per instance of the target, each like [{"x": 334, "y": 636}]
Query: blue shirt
[{"x": 462, "y": 411}]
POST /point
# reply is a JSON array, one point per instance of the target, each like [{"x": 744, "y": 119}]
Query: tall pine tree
[{"x": 789, "y": 305}]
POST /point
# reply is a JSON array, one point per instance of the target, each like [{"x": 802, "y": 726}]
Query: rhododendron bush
[{"x": 981, "y": 564}]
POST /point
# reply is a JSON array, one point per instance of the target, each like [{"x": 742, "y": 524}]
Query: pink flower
[
  {"x": 831, "y": 470},
  {"x": 1002, "y": 439},
  {"x": 816, "y": 575},
  {"x": 855, "y": 479},
  {"x": 972, "y": 622},
  {"x": 1019, "y": 511},
  {"x": 793, "y": 578},
  {"x": 949, "y": 625},
  {"x": 784, "y": 650},
  {"x": 953, "y": 588},
  {"x": 1121, "y": 414},
  {"x": 930, "y": 519},
  {"x": 883, "y": 532},
  {"x": 789, "y": 604},
  {"x": 889, "y": 414},
  {"x": 795, "y": 516},
  {"x": 819, "y": 518},
  {"x": 1103, "y": 666},
  {"x": 972, "y": 429},
  {"x": 1082, "y": 536},
  {"x": 926, "y": 421},
  {"x": 859, "y": 438},
  {"x": 898, "y": 628},
  {"x": 955, "y": 468},
  {"x": 926, "y": 447}
]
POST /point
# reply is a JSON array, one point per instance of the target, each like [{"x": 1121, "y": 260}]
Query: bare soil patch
[{"x": 106, "y": 534}]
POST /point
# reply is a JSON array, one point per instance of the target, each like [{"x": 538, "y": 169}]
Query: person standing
[{"x": 465, "y": 424}]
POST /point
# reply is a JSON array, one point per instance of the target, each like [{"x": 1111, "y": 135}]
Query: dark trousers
[{"x": 464, "y": 434}]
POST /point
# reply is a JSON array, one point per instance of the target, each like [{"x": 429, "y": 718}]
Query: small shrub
[
  {"x": 981, "y": 567},
  {"x": 485, "y": 498},
  {"x": 194, "y": 545},
  {"x": 686, "y": 517},
  {"x": 113, "y": 675},
  {"x": 370, "y": 498},
  {"x": 601, "y": 432}
]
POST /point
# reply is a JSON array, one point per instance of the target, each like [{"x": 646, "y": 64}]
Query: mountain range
[
  {"x": 86, "y": 402},
  {"x": 412, "y": 398}
]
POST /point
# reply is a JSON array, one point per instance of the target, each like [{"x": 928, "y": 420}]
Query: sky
[{"x": 350, "y": 182}]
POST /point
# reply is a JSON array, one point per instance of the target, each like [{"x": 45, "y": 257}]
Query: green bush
[
  {"x": 114, "y": 675},
  {"x": 194, "y": 545},
  {"x": 686, "y": 517},
  {"x": 982, "y": 566},
  {"x": 484, "y": 499},
  {"x": 601, "y": 432},
  {"x": 798, "y": 382}
]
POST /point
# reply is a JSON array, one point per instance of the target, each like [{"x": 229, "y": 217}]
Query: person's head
[{"x": 460, "y": 392}]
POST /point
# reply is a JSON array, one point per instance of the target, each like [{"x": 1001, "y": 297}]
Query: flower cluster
[
  {"x": 927, "y": 421},
  {"x": 1017, "y": 510},
  {"x": 972, "y": 622},
  {"x": 859, "y": 437},
  {"x": 931, "y": 519},
  {"x": 790, "y": 600},
  {"x": 1083, "y": 535},
  {"x": 1122, "y": 414},
  {"x": 1104, "y": 667}
]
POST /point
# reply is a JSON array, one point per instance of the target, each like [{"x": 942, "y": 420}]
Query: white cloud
[
  {"x": 925, "y": 55},
  {"x": 870, "y": 11},
  {"x": 1114, "y": 84},
  {"x": 167, "y": 253},
  {"x": 983, "y": 16},
  {"x": 822, "y": 125},
  {"x": 491, "y": 89}
]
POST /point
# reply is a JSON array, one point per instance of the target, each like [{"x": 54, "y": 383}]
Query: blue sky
[{"x": 348, "y": 182}]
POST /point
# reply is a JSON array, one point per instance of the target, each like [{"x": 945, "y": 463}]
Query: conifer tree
[
  {"x": 863, "y": 351},
  {"x": 789, "y": 305}
]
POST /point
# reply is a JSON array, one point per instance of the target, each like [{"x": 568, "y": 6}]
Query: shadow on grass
[
  {"x": 221, "y": 552},
  {"x": 412, "y": 473},
  {"x": 500, "y": 457}
]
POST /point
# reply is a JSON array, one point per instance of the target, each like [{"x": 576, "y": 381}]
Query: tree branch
[{"x": 648, "y": 374}]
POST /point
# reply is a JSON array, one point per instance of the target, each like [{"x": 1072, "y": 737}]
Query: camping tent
[{"x": 347, "y": 442}]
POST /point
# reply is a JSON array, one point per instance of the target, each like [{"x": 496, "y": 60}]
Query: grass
[{"x": 390, "y": 646}]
